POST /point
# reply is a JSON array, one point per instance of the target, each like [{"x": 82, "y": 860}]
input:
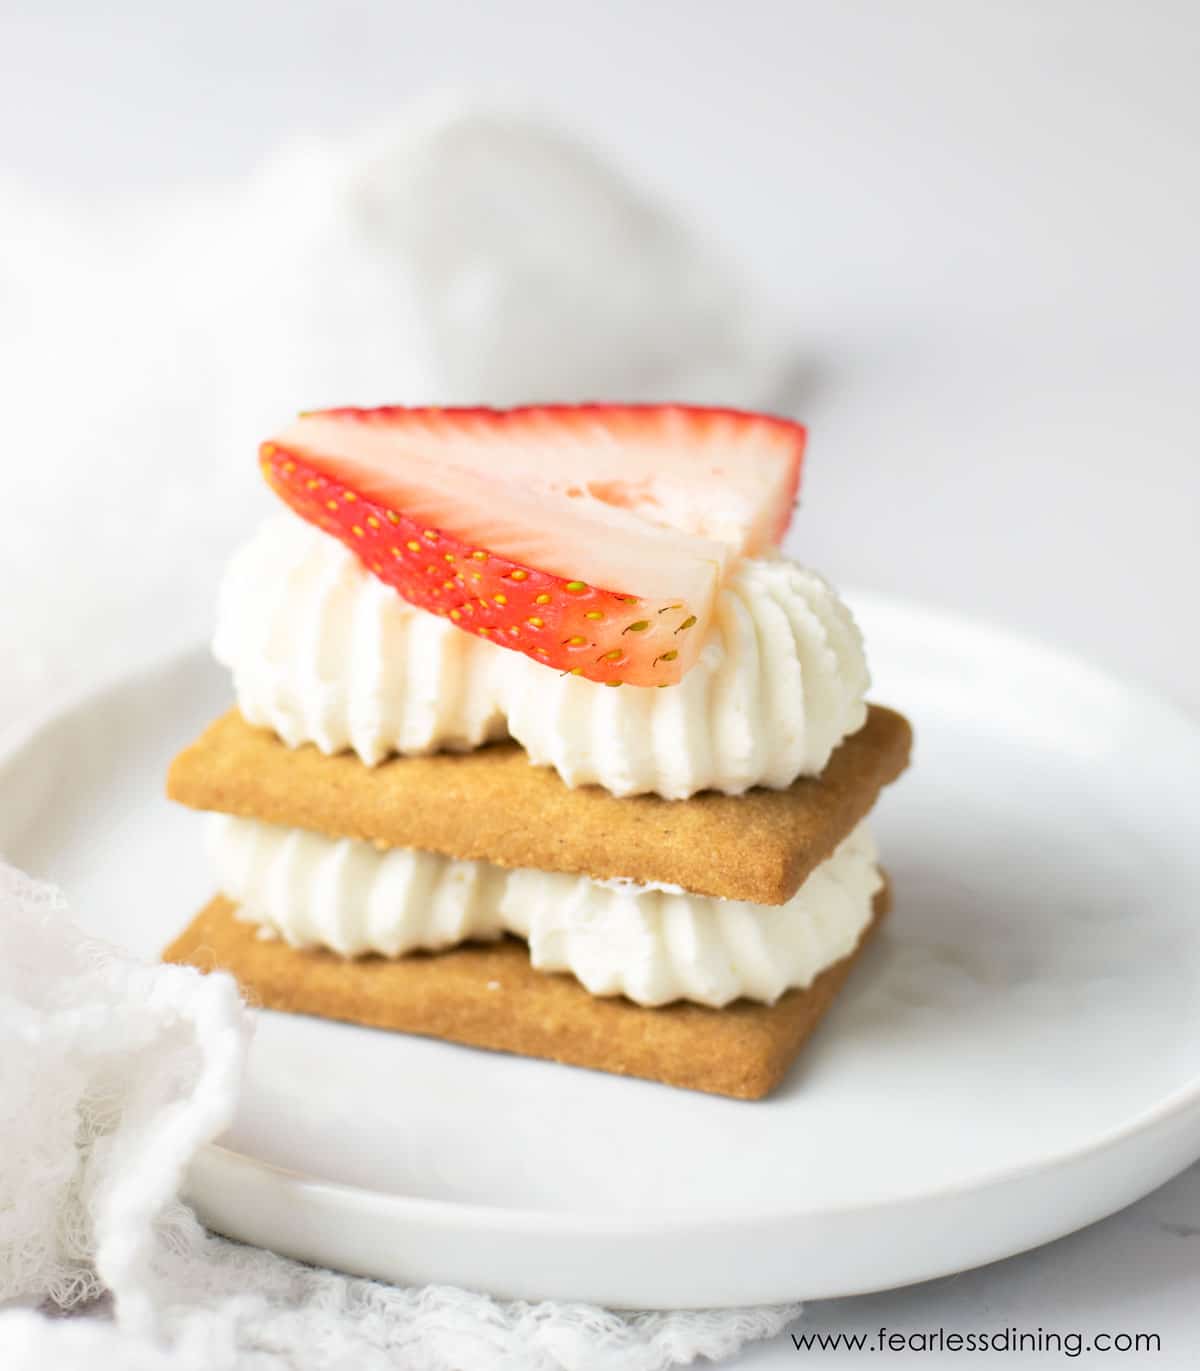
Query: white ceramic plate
[{"x": 1019, "y": 1053}]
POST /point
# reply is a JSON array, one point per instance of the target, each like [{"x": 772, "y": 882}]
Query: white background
[{"x": 979, "y": 223}]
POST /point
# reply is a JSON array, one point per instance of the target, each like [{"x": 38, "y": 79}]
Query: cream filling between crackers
[
  {"x": 324, "y": 652},
  {"x": 652, "y": 944}
]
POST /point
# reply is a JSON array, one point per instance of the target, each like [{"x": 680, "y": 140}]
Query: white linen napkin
[
  {"x": 466, "y": 255},
  {"x": 112, "y": 1073}
]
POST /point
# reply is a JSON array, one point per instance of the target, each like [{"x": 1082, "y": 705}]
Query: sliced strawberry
[{"x": 510, "y": 522}]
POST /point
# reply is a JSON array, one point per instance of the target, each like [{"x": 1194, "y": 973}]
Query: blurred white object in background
[{"x": 467, "y": 255}]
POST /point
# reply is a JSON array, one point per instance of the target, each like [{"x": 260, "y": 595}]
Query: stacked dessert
[{"x": 433, "y": 809}]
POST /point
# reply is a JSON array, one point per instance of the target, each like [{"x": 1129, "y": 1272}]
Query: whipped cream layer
[
  {"x": 321, "y": 651},
  {"x": 778, "y": 684},
  {"x": 651, "y": 945}
]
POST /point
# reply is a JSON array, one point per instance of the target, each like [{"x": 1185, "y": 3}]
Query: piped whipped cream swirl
[
  {"x": 651, "y": 945},
  {"x": 321, "y": 651},
  {"x": 778, "y": 684}
]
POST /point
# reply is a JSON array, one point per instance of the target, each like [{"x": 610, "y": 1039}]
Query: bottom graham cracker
[{"x": 488, "y": 995}]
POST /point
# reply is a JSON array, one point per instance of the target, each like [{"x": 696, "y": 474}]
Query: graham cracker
[
  {"x": 488, "y": 995},
  {"x": 492, "y": 805}
]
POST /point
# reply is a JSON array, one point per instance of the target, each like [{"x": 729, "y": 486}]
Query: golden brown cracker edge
[
  {"x": 489, "y": 995},
  {"x": 492, "y": 805}
]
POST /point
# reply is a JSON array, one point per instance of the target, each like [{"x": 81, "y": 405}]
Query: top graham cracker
[{"x": 492, "y": 805}]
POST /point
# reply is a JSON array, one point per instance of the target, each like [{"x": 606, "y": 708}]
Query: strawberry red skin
[{"x": 602, "y": 635}]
